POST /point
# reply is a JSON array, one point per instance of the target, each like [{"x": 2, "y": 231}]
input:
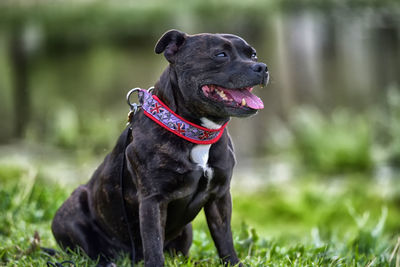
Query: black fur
[{"x": 164, "y": 188}]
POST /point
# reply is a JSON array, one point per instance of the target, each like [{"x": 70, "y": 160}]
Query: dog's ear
[{"x": 170, "y": 43}]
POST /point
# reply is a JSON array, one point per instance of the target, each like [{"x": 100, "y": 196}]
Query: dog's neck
[
  {"x": 167, "y": 90},
  {"x": 161, "y": 114}
]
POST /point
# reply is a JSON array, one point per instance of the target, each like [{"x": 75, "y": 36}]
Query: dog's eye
[
  {"x": 254, "y": 56},
  {"x": 222, "y": 54}
]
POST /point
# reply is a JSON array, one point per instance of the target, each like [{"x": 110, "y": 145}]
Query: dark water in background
[{"x": 326, "y": 60}]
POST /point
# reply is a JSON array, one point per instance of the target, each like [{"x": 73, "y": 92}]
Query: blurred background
[{"x": 326, "y": 146}]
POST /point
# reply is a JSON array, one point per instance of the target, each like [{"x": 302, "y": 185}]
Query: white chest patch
[
  {"x": 209, "y": 124},
  {"x": 199, "y": 155}
]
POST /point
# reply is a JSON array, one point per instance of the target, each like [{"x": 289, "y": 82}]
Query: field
[
  {"x": 317, "y": 181},
  {"x": 309, "y": 220}
]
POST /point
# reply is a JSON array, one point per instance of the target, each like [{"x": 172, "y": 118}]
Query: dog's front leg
[
  {"x": 218, "y": 213},
  {"x": 151, "y": 225}
]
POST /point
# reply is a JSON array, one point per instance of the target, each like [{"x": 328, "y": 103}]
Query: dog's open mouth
[{"x": 233, "y": 97}]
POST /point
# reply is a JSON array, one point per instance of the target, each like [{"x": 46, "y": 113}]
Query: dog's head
[{"x": 216, "y": 73}]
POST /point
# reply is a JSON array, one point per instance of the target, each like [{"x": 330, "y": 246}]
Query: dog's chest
[{"x": 199, "y": 155}]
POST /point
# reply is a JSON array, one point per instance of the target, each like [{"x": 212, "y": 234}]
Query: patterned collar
[{"x": 156, "y": 110}]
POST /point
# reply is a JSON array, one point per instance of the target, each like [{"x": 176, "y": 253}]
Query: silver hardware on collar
[{"x": 133, "y": 106}]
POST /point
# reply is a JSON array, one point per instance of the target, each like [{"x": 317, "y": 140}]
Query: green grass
[
  {"x": 345, "y": 221},
  {"x": 326, "y": 144}
]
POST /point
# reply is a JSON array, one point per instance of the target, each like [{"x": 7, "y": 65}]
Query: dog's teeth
[
  {"x": 221, "y": 94},
  {"x": 243, "y": 102}
]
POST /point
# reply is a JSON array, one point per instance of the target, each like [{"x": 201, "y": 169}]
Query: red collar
[{"x": 156, "y": 110}]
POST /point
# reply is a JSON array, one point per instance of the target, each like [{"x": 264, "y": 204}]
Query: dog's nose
[{"x": 259, "y": 67}]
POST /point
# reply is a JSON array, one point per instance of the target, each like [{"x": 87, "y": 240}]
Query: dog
[{"x": 171, "y": 169}]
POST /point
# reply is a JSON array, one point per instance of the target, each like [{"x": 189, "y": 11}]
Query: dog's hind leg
[
  {"x": 182, "y": 242},
  {"x": 75, "y": 228}
]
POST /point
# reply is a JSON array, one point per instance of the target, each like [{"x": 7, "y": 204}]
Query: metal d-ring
[{"x": 133, "y": 106}]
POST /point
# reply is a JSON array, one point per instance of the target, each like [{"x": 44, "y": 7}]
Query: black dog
[{"x": 168, "y": 177}]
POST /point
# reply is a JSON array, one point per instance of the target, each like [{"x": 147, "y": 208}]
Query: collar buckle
[{"x": 134, "y": 107}]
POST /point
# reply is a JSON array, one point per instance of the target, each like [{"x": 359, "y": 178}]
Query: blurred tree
[{"x": 22, "y": 95}]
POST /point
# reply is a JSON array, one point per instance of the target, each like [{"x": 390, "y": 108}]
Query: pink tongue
[{"x": 252, "y": 100}]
